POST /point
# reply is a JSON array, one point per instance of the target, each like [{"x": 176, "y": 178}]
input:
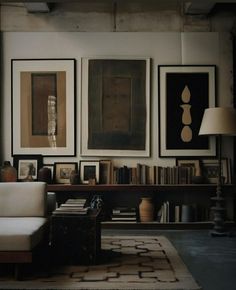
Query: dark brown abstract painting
[
  {"x": 117, "y": 110},
  {"x": 35, "y": 91}
]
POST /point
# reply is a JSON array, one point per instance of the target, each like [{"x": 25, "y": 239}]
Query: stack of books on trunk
[
  {"x": 124, "y": 214},
  {"x": 72, "y": 206}
]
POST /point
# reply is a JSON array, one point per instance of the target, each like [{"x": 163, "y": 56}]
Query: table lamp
[{"x": 219, "y": 122}]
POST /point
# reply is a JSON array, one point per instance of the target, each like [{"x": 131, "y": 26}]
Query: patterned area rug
[{"x": 135, "y": 263}]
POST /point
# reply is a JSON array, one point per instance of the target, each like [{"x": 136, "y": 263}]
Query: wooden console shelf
[
  {"x": 115, "y": 195},
  {"x": 131, "y": 187}
]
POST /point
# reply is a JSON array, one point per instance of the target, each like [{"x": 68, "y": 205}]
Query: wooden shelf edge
[{"x": 125, "y": 187}]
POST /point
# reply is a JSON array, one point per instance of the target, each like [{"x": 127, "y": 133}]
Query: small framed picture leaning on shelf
[
  {"x": 89, "y": 171},
  {"x": 207, "y": 169},
  {"x": 192, "y": 163},
  {"x": 62, "y": 171},
  {"x": 210, "y": 170},
  {"x": 193, "y": 169},
  {"x": 27, "y": 166}
]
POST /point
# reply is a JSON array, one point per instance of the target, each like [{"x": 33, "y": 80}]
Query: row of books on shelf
[
  {"x": 73, "y": 207},
  {"x": 145, "y": 174}
]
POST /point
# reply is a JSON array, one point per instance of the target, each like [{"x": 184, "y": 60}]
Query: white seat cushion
[{"x": 21, "y": 234}]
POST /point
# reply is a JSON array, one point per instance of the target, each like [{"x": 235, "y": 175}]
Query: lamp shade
[{"x": 218, "y": 121}]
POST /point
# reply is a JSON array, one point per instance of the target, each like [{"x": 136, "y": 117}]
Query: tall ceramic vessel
[{"x": 146, "y": 209}]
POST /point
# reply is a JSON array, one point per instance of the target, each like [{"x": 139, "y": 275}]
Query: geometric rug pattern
[{"x": 136, "y": 263}]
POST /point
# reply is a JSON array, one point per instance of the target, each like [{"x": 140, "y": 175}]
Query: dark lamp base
[{"x": 220, "y": 234}]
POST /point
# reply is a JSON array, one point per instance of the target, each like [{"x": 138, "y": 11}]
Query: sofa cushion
[
  {"x": 22, "y": 199},
  {"x": 21, "y": 234}
]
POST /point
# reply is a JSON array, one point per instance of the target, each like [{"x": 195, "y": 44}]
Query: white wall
[{"x": 162, "y": 48}]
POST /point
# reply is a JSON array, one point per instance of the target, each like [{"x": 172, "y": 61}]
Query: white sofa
[{"x": 23, "y": 220}]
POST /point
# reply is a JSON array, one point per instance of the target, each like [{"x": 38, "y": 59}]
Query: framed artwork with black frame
[
  {"x": 43, "y": 106},
  {"x": 89, "y": 170},
  {"x": 27, "y": 165},
  {"x": 62, "y": 171},
  {"x": 115, "y": 106},
  {"x": 185, "y": 91},
  {"x": 210, "y": 168}
]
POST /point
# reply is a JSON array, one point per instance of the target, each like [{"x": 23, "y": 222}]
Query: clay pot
[
  {"x": 8, "y": 173},
  {"x": 146, "y": 209},
  {"x": 45, "y": 174}
]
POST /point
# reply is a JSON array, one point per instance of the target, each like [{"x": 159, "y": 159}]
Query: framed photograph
[
  {"x": 43, "y": 106},
  {"x": 185, "y": 91},
  {"x": 210, "y": 170},
  {"x": 106, "y": 172},
  {"x": 62, "y": 171},
  {"x": 27, "y": 165},
  {"x": 89, "y": 170},
  {"x": 115, "y": 107},
  {"x": 195, "y": 163}
]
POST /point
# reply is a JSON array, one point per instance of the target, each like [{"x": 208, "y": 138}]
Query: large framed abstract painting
[
  {"x": 115, "y": 107},
  {"x": 43, "y": 106},
  {"x": 185, "y": 91}
]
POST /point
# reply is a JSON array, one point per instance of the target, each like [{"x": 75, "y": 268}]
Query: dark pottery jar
[
  {"x": 8, "y": 173},
  {"x": 45, "y": 175},
  {"x": 74, "y": 177}
]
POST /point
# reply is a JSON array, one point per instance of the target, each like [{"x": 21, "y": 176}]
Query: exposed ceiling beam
[
  {"x": 198, "y": 8},
  {"x": 37, "y": 7}
]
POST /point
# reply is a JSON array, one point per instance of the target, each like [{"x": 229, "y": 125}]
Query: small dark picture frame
[
  {"x": 27, "y": 165},
  {"x": 62, "y": 171},
  {"x": 89, "y": 170}
]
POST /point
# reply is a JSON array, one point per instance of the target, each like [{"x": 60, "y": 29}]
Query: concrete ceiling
[{"x": 190, "y": 7}]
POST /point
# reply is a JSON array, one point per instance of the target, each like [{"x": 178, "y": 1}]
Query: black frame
[
  {"x": 56, "y": 167},
  {"x": 200, "y": 84},
  {"x": 18, "y": 158},
  {"x": 89, "y": 163}
]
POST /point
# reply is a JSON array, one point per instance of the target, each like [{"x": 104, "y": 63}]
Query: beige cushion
[
  {"x": 22, "y": 199},
  {"x": 21, "y": 234}
]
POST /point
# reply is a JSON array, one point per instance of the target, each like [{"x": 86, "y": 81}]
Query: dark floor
[{"x": 211, "y": 260}]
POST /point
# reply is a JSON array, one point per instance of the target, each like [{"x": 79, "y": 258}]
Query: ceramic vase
[
  {"x": 8, "y": 173},
  {"x": 45, "y": 175},
  {"x": 146, "y": 209}
]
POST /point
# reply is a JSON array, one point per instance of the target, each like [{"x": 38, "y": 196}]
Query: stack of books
[
  {"x": 72, "y": 206},
  {"x": 124, "y": 214}
]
